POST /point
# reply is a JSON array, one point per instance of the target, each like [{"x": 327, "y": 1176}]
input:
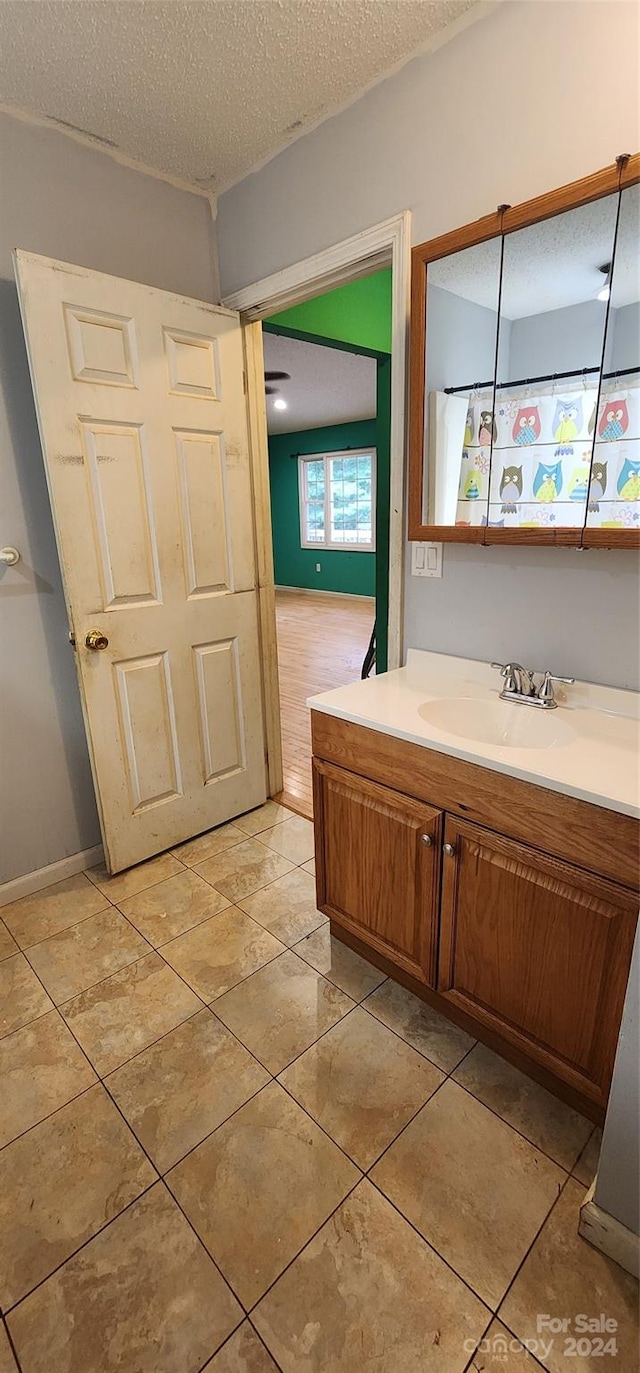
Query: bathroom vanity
[{"x": 486, "y": 856}]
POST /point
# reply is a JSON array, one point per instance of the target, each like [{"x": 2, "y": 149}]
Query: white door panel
[{"x": 143, "y": 422}]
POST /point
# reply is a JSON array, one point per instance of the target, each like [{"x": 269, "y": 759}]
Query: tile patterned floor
[{"x": 227, "y": 1143}]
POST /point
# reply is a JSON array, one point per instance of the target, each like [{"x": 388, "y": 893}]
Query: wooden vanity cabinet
[
  {"x": 536, "y": 949},
  {"x": 430, "y": 866},
  {"x": 379, "y": 866}
]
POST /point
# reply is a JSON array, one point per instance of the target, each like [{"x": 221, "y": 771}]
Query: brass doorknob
[{"x": 96, "y": 640}]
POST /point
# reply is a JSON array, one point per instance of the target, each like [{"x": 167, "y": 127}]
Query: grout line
[
  {"x": 11, "y": 1343},
  {"x": 179, "y": 1161},
  {"x": 137, "y": 958},
  {"x": 72, "y": 926},
  {"x": 50, "y": 1114},
  {"x": 516, "y": 1131},
  {"x": 533, "y": 1242},
  {"x": 101, "y": 1229},
  {"x": 398, "y": 1035},
  {"x": 357, "y": 1183},
  {"x": 429, "y": 1245},
  {"x": 165, "y": 853}
]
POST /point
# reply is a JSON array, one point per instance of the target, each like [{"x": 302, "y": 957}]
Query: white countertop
[{"x": 596, "y": 759}]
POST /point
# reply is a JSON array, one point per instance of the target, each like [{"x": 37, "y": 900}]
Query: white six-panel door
[{"x": 142, "y": 417}]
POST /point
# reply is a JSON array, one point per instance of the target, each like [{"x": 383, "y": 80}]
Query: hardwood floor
[{"x": 322, "y": 641}]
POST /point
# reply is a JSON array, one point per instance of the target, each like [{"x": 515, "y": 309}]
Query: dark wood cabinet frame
[{"x": 507, "y": 220}]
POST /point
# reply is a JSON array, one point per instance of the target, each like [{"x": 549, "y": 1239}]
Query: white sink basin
[{"x": 502, "y": 724}]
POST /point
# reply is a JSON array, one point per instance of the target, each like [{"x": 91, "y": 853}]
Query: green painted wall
[
  {"x": 358, "y": 313},
  {"x": 354, "y": 573}
]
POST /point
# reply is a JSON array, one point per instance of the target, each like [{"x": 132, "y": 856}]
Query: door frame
[{"x": 387, "y": 244}]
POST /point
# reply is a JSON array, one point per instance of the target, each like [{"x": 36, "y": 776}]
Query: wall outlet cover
[{"x": 426, "y": 560}]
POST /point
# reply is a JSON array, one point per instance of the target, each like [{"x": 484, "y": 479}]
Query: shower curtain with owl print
[
  {"x": 614, "y": 492},
  {"x": 527, "y": 463}
]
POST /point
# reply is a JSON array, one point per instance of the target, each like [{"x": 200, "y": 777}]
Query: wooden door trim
[
  {"x": 606, "y": 181},
  {"x": 384, "y": 244}
]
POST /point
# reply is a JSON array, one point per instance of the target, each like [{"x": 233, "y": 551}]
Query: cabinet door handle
[
  {"x": 426, "y": 840},
  {"x": 450, "y": 850}
]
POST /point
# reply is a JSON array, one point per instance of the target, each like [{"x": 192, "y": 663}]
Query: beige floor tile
[
  {"x": 282, "y": 1009},
  {"x": 423, "y": 1027},
  {"x": 362, "y": 1084},
  {"x": 244, "y": 869},
  {"x": 340, "y": 964},
  {"x": 474, "y": 1188},
  {"x": 257, "y": 1189},
  {"x": 264, "y": 818},
  {"x": 310, "y": 867},
  {"x": 184, "y": 1086},
  {"x": 243, "y": 1353},
  {"x": 287, "y": 908},
  {"x": 502, "y": 1352},
  {"x": 141, "y": 1297},
  {"x": 587, "y": 1166},
  {"x": 293, "y": 838},
  {"x": 367, "y": 1295},
  {"x": 209, "y": 844},
  {"x": 565, "y": 1276},
  {"x": 36, "y": 917},
  {"x": 549, "y": 1123},
  {"x": 128, "y": 1011},
  {"x": 173, "y": 907},
  {"x": 60, "y": 1183},
  {"x": 133, "y": 880},
  {"x": 217, "y": 955},
  {"x": 7, "y": 942},
  {"x": 75, "y": 959},
  {"x": 9, "y": 1365},
  {"x": 22, "y": 998},
  {"x": 41, "y": 1069}
]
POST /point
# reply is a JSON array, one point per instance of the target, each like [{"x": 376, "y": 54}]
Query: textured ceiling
[
  {"x": 327, "y": 386},
  {"x": 205, "y": 90},
  {"x": 552, "y": 264}
]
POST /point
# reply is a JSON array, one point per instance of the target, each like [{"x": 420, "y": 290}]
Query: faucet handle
[
  {"x": 545, "y": 690},
  {"x": 510, "y": 673}
]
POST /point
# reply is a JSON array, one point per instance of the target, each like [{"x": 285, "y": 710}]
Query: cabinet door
[
  {"x": 378, "y": 866},
  {"x": 536, "y": 949}
]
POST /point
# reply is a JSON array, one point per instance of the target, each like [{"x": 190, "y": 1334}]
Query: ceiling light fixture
[
  {"x": 605, "y": 289},
  {"x": 279, "y": 404}
]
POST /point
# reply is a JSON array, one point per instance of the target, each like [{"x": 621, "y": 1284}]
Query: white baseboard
[
  {"x": 609, "y": 1235},
  {"x": 318, "y": 591},
  {"x": 54, "y": 872}
]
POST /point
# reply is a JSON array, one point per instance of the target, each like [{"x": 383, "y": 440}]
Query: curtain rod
[{"x": 533, "y": 381}]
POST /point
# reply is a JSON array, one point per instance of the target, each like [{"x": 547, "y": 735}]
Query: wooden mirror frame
[{"x": 620, "y": 175}]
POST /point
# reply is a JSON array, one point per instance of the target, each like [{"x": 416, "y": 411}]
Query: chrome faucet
[{"x": 520, "y": 685}]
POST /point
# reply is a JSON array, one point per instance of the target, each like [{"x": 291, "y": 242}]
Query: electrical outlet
[
  {"x": 426, "y": 560},
  {"x": 318, "y": 567}
]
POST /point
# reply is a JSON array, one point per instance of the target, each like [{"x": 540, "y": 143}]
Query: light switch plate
[{"x": 426, "y": 560}]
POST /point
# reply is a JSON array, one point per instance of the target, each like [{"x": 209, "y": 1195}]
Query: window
[{"x": 337, "y": 500}]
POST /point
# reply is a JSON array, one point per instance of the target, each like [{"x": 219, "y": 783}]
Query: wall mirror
[{"x": 525, "y": 329}]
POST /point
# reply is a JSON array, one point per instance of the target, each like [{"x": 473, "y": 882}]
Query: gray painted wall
[
  {"x": 435, "y": 139},
  {"x": 558, "y": 340},
  {"x": 69, "y": 202},
  {"x": 618, "y": 1182}
]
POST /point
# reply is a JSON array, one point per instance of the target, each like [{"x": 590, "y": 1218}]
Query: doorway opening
[
  {"x": 382, "y": 253},
  {"x": 327, "y": 369}
]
